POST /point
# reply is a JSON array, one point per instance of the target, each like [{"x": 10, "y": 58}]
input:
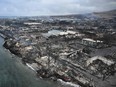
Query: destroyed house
[{"x": 91, "y": 42}]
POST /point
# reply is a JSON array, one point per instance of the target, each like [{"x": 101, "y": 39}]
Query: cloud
[{"x": 53, "y": 7}]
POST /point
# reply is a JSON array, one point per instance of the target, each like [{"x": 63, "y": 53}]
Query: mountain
[{"x": 106, "y": 14}]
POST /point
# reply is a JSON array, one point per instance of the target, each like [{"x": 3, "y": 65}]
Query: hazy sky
[{"x": 53, "y": 7}]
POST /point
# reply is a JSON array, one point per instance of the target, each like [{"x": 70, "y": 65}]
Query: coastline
[
  {"x": 15, "y": 74},
  {"x": 42, "y": 71},
  {"x": 58, "y": 80},
  {"x": 31, "y": 68},
  {"x": 68, "y": 83}
]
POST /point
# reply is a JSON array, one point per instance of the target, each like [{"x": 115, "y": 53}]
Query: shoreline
[
  {"x": 31, "y": 68},
  {"x": 43, "y": 72},
  {"x": 58, "y": 80},
  {"x": 68, "y": 83}
]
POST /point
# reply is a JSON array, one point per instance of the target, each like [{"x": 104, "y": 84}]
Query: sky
[{"x": 53, "y": 7}]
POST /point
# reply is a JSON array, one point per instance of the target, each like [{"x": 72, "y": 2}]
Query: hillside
[{"x": 106, "y": 14}]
